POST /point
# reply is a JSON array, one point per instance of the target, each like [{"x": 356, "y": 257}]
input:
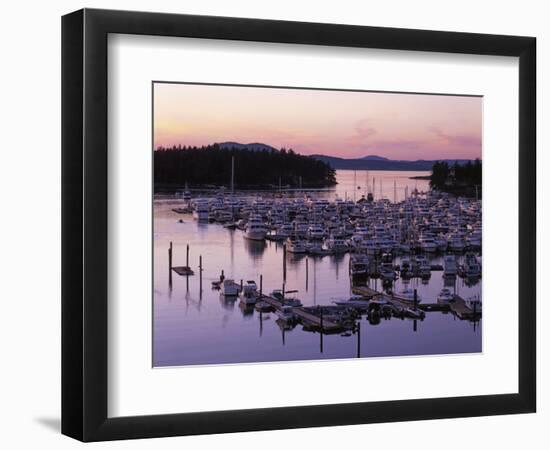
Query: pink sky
[{"x": 345, "y": 124}]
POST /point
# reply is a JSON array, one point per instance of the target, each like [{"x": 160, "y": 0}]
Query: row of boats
[{"x": 430, "y": 223}]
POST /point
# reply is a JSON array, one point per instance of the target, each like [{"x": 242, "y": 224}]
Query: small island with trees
[{"x": 211, "y": 165}]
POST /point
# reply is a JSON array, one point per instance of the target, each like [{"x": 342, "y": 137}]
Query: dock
[
  {"x": 457, "y": 306},
  {"x": 305, "y": 315},
  {"x": 183, "y": 270}
]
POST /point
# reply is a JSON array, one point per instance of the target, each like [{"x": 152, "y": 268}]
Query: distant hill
[
  {"x": 375, "y": 158},
  {"x": 255, "y": 146},
  {"x": 379, "y": 163}
]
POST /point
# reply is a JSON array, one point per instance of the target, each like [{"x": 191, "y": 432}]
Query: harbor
[{"x": 378, "y": 266}]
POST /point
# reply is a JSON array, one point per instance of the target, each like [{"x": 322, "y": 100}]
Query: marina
[{"x": 293, "y": 274}]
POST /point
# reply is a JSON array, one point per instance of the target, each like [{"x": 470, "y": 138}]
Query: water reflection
[{"x": 201, "y": 327}]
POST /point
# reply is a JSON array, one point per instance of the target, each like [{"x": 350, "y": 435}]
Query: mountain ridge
[{"x": 368, "y": 162}]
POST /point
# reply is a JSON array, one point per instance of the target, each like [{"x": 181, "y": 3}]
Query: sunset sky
[{"x": 344, "y": 124}]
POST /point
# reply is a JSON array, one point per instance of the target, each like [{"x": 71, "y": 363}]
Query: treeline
[
  {"x": 460, "y": 179},
  {"x": 211, "y": 165}
]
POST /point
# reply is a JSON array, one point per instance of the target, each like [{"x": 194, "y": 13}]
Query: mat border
[{"x": 84, "y": 224}]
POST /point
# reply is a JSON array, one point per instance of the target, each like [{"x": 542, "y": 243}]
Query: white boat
[
  {"x": 427, "y": 244},
  {"x": 255, "y": 229},
  {"x": 356, "y": 301},
  {"x": 371, "y": 247},
  {"x": 230, "y": 288},
  {"x": 315, "y": 248},
  {"x": 449, "y": 265},
  {"x": 315, "y": 232},
  {"x": 445, "y": 296},
  {"x": 471, "y": 267},
  {"x": 359, "y": 264},
  {"x": 336, "y": 244},
  {"x": 249, "y": 294},
  {"x": 288, "y": 298},
  {"x": 295, "y": 245},
  {"x": 407, "y": 294},
  {"x": 201, "y": 211},
  {"x": 286, "y": 313}
]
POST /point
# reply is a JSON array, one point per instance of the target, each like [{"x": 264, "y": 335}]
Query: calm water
[{"x": 195, "y": 328}]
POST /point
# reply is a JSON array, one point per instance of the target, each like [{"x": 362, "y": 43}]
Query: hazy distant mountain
[
  {"x": 375, "y": 158},
  {"x": 380, "y": 163},
  {"x": 255, "y": 146},
  {"x": 369, "y": 162}
]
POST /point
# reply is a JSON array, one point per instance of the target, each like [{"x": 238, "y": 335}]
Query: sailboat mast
[{"x": 354, "y": 184}]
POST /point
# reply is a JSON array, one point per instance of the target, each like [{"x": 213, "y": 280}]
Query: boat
[
  {"x": 471, "y": 267},
  {"x": 294, "y": 245},
  {"x": 474, "y": 303},
  {"x": 358, "y": 265},
  {"x": 249, "y": 294},
  {"x": 387, "y": 274},
  {"x": 356, "y": 301},
  {"x": 336, "y": 244},
  {"x": 427, "y": 244},
  {"x": 286, "y": 313},
  {"x": 445, "y": 296},
  {"x": 414, "y": 313},
  {"x": 407, "y": 294},
  {"x": 290, "y": 301},
  {"x": 230, "y": 288},
  {"x": 449, "y": 264},
  {"x": 315, "y": 232},
  {"x": 255, "y": 229},
  {"x": 456, "y": 244},
  {"x": 201, "y": 211},
  {"x": 315, "y": 248}
]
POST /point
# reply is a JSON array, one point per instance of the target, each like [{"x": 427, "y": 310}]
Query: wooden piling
[
  {"x": 321, "y": 331},
  {"x": 187, "y": 256},
  {"x": 284, "y": 261},
  {"x": 359, "y": 339},
  {"x": 170, "y": 264},
  {"x": 200, "y": 273},
  {"x": 261, "y": 285},
  {"x": 307, "y": 272}
]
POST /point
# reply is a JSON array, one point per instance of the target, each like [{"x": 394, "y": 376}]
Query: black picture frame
[{"x": 84, "y": 224}]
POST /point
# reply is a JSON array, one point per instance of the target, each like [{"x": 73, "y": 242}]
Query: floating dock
[
  {"x": 183, "y": 270},
  {"x": 305, "y": 315},
  {"x": 457, "y": 306}
]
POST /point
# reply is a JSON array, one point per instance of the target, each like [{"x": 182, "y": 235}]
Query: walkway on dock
[
  {"x": 327, "y": 326},
  {"x": 457, "y": 306}
]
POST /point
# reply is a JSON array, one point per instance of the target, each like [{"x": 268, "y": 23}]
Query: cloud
[{"x": 458, "y": 140}]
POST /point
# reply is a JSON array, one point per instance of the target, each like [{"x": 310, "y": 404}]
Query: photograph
[{"x": 295, "y": 224}]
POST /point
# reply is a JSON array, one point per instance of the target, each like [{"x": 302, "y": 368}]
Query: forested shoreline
[
  {"x": 211, "y": 165},
  {"x": 458, "y": 179}
]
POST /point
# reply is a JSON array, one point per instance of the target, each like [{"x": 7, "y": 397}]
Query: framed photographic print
[{"x": 273, "y": 224}]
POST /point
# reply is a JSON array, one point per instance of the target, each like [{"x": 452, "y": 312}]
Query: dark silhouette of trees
[
  {"x": 211, "y": 165},
  {"x": 460, "y": 179}
]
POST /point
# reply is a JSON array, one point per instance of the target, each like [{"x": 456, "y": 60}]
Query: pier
[
  {"x": 457, "y": 306},
  {"x": 306, "y": 315}
]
